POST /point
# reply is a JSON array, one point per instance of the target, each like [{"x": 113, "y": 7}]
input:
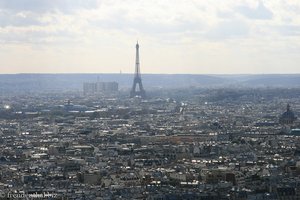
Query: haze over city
[
  {"x": 175, "y": 36},
  {"x": 150, "y": 99}
]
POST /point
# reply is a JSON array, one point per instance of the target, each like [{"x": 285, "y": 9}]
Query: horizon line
[{"x": 126, "y": 73}]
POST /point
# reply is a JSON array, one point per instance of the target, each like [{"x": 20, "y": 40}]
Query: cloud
[
  {"x": 159, "y": 20},
  {"x": 289, "y": 30},
  {"x": 229, "y": 29},
  {"x": 181, "y": 29},
  {"x": 147, "y": 27},
  {"x": 20, "y": 19},
  {"x": 260, "y": 12},
  {"x": 47, "y": 5},
  {"x": 21, "y": 35}
]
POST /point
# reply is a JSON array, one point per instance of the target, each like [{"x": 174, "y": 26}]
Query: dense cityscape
[
  {"x": 183, "y": 143},
  {"x": 192, "y": 144},
  {"x": 211, "y": 111}
]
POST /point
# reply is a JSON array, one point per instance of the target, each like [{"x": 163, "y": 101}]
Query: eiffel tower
[{"x": 137, "y": 77}]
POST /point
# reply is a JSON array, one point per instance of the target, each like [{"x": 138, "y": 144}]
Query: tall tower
[{"x": 137, "y": 77}]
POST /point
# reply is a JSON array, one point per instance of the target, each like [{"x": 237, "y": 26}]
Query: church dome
[{"x": 288, "y": 117}]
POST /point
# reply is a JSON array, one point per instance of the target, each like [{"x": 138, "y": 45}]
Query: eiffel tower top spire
[{"x": 137, "y": 60}]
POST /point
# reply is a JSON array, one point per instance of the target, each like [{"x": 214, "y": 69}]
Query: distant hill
[
  {"x": 59, "y": 82},
  {"x": 273, "y": 80}
]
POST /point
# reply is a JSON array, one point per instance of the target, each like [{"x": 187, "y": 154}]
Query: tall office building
[{"x": 100, "y": 87}]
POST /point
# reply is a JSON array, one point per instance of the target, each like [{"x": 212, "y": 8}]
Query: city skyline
[{"x": 195, "y": 37}]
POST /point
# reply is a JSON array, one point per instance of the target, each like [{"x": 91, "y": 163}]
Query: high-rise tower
[{"x": 137, "y": 77}]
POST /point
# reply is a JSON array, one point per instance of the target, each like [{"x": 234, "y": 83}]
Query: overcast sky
[{"x": 175, "y": 36}]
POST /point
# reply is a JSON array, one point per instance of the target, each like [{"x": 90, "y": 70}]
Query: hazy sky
[{"x": 175, "y": 36}]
